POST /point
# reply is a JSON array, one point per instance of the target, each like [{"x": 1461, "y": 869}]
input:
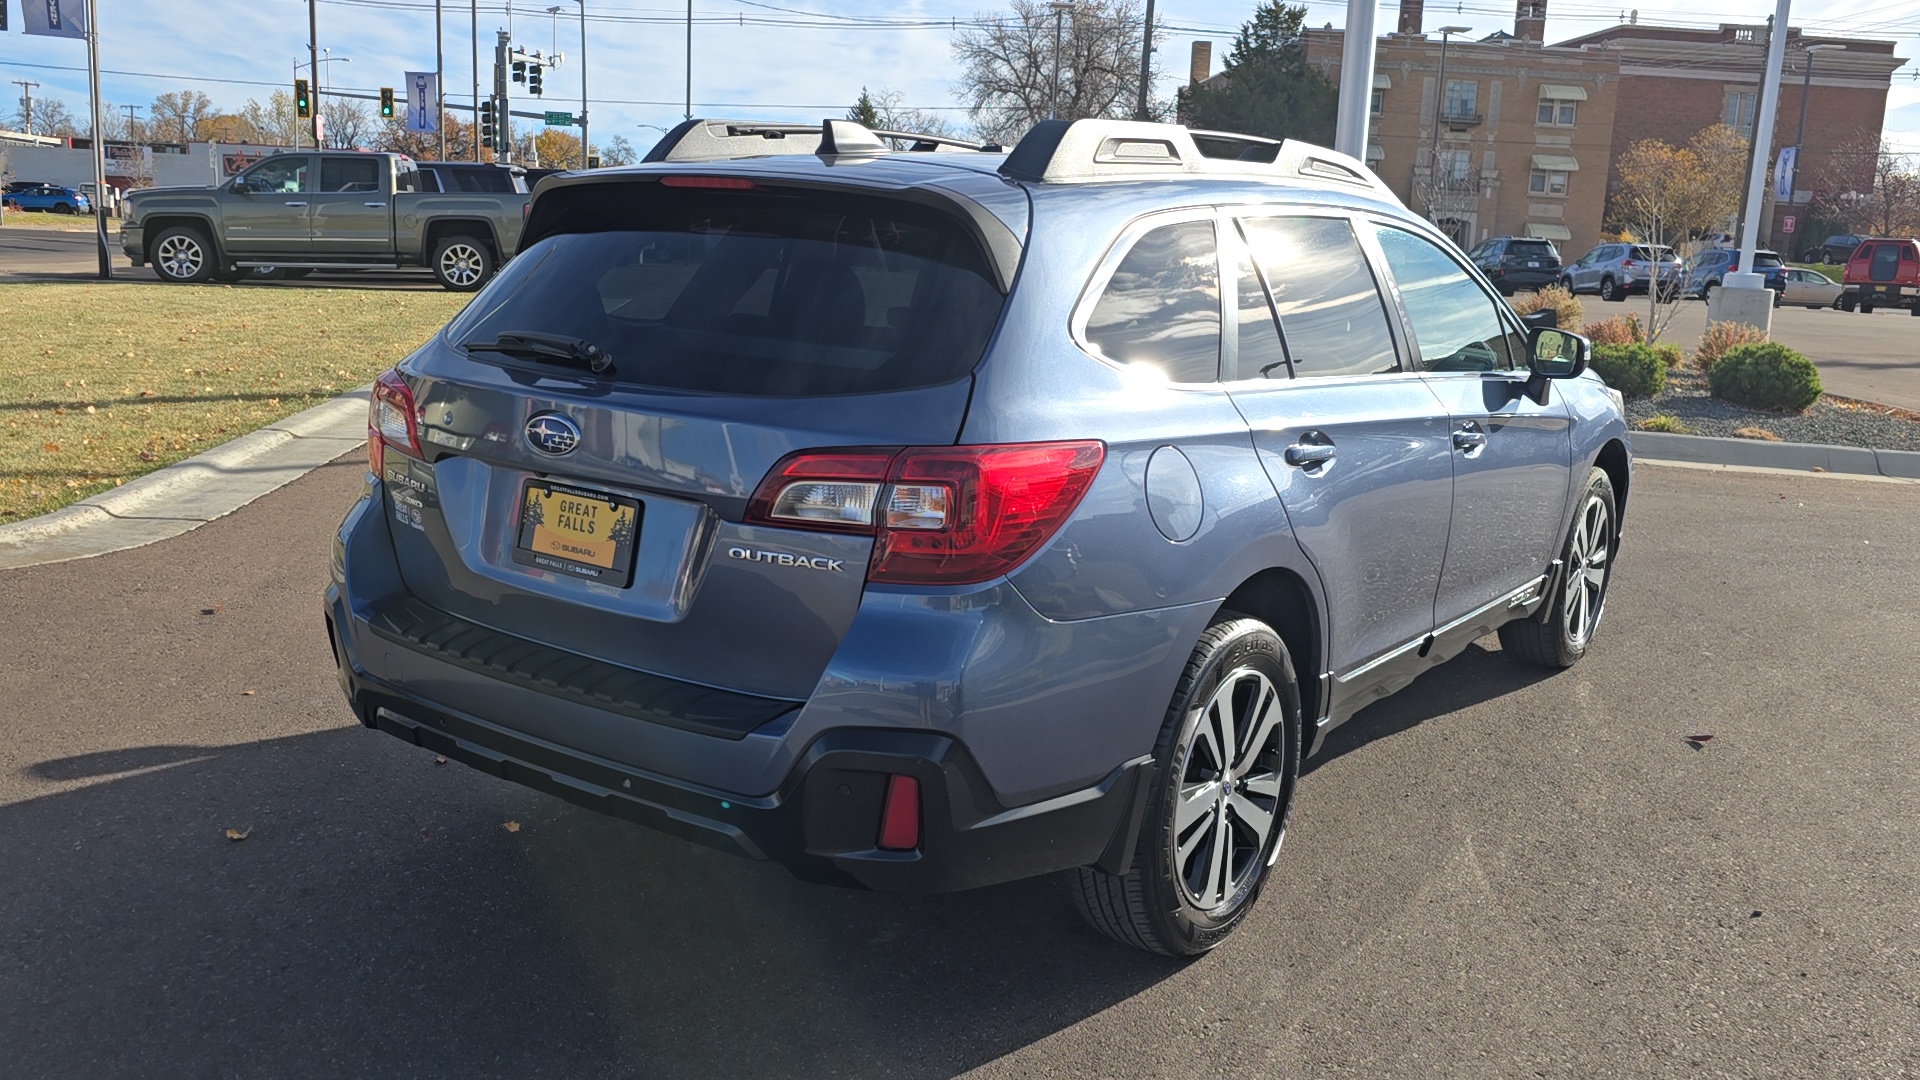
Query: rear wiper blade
[{"x": 527, "y": 344}]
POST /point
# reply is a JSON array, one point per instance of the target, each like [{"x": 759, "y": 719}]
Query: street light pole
[
  {"x": 1146, "y": 64},
  {"x": 1060, "y": 10},
  {"x": 313, "y": 65},
  {"x": 583, "y": 84},
  {"x": 473, "y": 135},
  {"x": 689, "y": 115},
  {"x": 440, "y": 76},
  {"x": 1356, "y": 79},
  {"x": 1806, "y": 86},
  {"x": 1439, "y": 108}
]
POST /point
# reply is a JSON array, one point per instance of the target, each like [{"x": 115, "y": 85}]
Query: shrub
[
  {"x": 1566, "y": 308},
  {"x": 1665, "y": 422},
  {"x": 1721, "y": 336},
  {"x": 1670, "y": 354},
  {"x": 1767, "y": 375},
  {"x": 1634, "y": 370},
  {"x": 1751, "y": 432},
  {"x": 1619, "y": 330}
]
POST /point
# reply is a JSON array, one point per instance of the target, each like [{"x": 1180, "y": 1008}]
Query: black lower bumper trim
[{"x": 822, "y": 823}]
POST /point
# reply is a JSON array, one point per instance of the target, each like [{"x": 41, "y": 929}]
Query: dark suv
[
  {"x": 929, "y": 519},
  {"x": 1514, "y": 263}
]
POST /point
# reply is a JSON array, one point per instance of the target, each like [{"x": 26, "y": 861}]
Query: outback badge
[{"x": 552, "y": 433}]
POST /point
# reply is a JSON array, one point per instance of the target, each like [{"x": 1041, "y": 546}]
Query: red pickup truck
[{"x": 1883, "y": 272}]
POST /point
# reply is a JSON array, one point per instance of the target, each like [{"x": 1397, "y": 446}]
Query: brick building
[
  {"x": 1674, "y": 82},
  {"x": 1528, "y": 132}
]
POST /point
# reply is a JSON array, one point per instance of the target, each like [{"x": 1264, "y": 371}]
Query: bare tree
[
  {"x": 1869, "y": 187},
  {"x": 1008, "y": 64},
  {"x": 50, "y": 116},
  {"x": 1671, "y": 196},
  {"x": 616, "y": 151},
  {"x": 274, "y": 123},
  {"x": 173, "y": 116},
  {"x": 884, "y": 112},
  {"x": 349, "y": 123}
]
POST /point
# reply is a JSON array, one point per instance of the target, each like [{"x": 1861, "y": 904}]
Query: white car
[{"x": 1809, "y": 288}]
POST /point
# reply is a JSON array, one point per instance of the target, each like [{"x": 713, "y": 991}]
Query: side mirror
[
  {"x": 1553, "y": 354},
  {"x": 240, "y": 186}
]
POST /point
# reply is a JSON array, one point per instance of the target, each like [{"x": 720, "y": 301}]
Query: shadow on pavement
[
  {"x": 378, "y": 919},
  {"x": 1477, "y": 675}
]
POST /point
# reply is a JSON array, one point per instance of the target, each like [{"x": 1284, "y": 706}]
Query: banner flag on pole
[
  {"x": 423, "y": 96},
  {"x": 54, "y": 18},
  {"x": 1783, "y": 171}
]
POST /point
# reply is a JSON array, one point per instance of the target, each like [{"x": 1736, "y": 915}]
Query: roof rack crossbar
[{"x": 708, "y": 139}]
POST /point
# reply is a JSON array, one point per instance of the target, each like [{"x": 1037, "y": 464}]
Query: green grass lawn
[
  {"x": 101, "y": 383},
  {"x": 21, "y": 219}
]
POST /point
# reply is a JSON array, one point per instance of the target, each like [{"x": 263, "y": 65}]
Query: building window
[
  {"x": 1463, "y": 99},
  {"x": 1379, "y": 101},
  {"x": 1738, "y": 113},
  {"x": 1555, "y": 112},
  {"x": 1455, "y": 167},
  {"x": 1545, "y": 182}
]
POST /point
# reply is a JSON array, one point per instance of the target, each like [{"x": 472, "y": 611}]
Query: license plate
[
  {"x": 577, "y": 532},
  {"x": 1533, "y": 266}
]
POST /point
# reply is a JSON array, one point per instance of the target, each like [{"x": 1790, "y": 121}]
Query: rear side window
[
  {"x": 1161, "y": 308},
  {"x": 349, "y": 174},
  {"x": 1330, "y": 309},
  {"x": 769, "y": 292},
  {"x": 479, "y": 180}
]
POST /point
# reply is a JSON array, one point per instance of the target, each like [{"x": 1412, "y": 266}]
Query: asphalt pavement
[{"x": 1496, "y": 873}]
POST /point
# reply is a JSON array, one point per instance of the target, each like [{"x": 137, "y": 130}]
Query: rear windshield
[
  {"x": 1766, "y": 258},
  {"x": 1532, "y": 249},
  {"x": 1653, "y": 254},
  {"x": 783, "y": 293}
]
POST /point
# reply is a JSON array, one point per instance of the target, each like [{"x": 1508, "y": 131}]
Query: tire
[
  {"x": 62, "y": 208},
  {"x": 1610, "y": 292},
  {"x": 182, "y": 255},
  {"x": 462, "y": 263},
  {"x": 1580, "y": 599},
  {"x": 1183, "y": 903},
  {"x": 1845, "y": 303},
  {"x": 1567, "y": 284},
  {"x": 1779, "y": 299},
  {"x": 1866, "y": 308}
]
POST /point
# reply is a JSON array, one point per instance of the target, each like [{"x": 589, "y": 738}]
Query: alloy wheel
[
  {"x": 1229, "y": 789},
  {"x": 1586, "y": 591},
  {"x": 180, "y": 257},
  {"x": 461, "y": 264}
]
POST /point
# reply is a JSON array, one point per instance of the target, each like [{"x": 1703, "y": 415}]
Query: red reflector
[
  {"x": 900, "y": 817},
  {"x": 723, "y": 183}
]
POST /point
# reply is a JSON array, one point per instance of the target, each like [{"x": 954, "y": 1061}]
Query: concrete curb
[
  {"x": 1757, "y": 453},
  {"x": 188, "y": 494}
]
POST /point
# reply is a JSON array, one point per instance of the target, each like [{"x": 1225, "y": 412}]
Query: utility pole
[
  {"x": 440, "y": 75},
  {"x": 99, "y": 144},
  {"x": 475, "y": 133},
  {"x": 503, "y": 146},
  {"x": 26, "y": 101},
  {"x": 313, "y": 65},
  {"x": 1146, "y": 65},
  {"x": 584, "y": 144},
  {"x": 1060, "y": 10},
  {"x": 133, "y": 122}
]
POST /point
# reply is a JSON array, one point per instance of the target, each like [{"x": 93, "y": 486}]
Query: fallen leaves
[
  {"x": 511, "y": 826},
  {"x": 246, "y": 693},
  {"x": 1698, "y": 742},
  {"x": 216, "y": 609},
  {"x": 237, "y": 835},
  {"x": 439, "y": 759}
]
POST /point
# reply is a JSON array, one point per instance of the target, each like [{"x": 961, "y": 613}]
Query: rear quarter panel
[{"x": 498, "y": 216}]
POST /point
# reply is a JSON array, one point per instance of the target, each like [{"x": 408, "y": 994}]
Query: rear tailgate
[{"x": 742, "y": 326}]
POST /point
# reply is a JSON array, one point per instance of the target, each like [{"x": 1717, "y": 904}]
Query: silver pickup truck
[{"x": 300, "y": 212}]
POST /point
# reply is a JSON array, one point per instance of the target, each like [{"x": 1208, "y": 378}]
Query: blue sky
[{"x": 637, "y": 48}]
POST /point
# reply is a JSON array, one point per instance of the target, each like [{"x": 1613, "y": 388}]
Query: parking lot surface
[{"x": 1498, "y": 872}]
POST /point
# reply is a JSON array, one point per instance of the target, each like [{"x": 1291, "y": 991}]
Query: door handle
[
  {"x": 373, "y": 204},
  {"x": 1309, "y": 455},
  {"x": 1469, "y": 437},
  {"x": 296, "y": 204}
]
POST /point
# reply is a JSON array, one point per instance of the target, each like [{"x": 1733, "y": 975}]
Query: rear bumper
[
  {"x": 1886, "y": 295},
  {"x": 822, "y": 823}
]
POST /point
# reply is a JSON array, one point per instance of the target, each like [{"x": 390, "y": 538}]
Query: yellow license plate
[{"x": 577, "y": 532}]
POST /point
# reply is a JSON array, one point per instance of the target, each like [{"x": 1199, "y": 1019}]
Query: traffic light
[
  {"x": 302, "y": 104},
  {"x": 488, "y": 132},
  {"x": 533, "y": 79},
  {"x": 519, "y": 71},
  {"x": 386, "y": 102}
]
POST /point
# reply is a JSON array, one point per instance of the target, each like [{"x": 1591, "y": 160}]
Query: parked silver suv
[
  {"x": 932, "y": 518},
  {"x": 1617, "y": 271}
]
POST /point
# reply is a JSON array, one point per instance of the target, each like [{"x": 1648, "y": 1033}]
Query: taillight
[
  {"x": 392, "y": 420},
  {"x": 939, "y": 515},
  {"x": 1626, "y": 264},
  {"x": 710, "y": 183}
]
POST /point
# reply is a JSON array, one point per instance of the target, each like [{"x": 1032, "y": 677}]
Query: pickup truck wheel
[
  {"x": 181, "y": 255},
  {"x": 462, "y": 263},
  {"x": 1225, "y": 766}
]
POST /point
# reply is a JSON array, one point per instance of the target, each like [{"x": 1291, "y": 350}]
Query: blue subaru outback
[{"x": 931, "y": 517}]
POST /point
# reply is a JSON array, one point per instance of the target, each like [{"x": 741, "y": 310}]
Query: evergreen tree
[{"x": 1267, "y": 88}]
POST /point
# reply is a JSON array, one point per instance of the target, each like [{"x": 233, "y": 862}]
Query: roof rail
[
  {"x": 706, "y": 139},
  {"x": 1081, "y": 151}
]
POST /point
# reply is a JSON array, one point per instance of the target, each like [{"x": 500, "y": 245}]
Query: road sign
[
  {"x": 559, "y": 119},
  {"x": 1787, "y": 223}
]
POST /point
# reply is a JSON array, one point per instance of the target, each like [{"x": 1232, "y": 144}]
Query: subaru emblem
[{"x": 551, "y": 433}]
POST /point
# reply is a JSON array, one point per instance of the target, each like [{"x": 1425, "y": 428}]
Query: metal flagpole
[
  {"x": 99, "y": 143},
  {"x": 440, "y": 77}
]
